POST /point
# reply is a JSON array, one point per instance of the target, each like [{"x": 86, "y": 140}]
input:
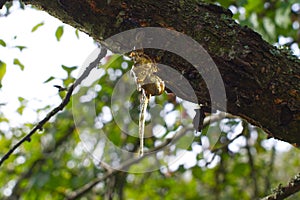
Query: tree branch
[
  {"x": 2, "y": 2},
  {"x": 262, "y": 82},
  {"x": 282, "y": 192},
  {"x": 60, "y": 107}
]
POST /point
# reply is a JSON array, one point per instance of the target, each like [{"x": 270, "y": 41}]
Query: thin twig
[
  {"x": 60, "y": 107},
  {"x": 282, "y": 192},
  {"x": 227, "y": 143}
]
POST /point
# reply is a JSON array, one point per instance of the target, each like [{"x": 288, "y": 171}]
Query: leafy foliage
[
  {"x": 59, "y": 32},
  {"x": 20, "y": 47},
  {"x": 2, "y": 43},
  {"x": 2, "y": 71},
  {"x": 37, "y": 26},
  {"x": 17, "y": 62},
  {"x": 272, "y": 19}
]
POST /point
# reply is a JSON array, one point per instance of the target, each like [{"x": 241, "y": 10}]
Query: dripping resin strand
[{"x": 148, "y": 83}]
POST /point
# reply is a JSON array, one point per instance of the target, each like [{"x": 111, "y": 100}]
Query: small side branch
[
  {"x": 60, "y": 107},
  {"x": 282, "y": 192}
]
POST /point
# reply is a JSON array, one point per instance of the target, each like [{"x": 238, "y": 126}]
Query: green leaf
[
  {"x": 21, "y": 99},
  {"x": 2, "y": 43},
  {"x": 49, "y": 79},
  {"x": 20, "y": 47},
  {"x": 20, "y": 109},
  {"x": 68, "y": 69},
  {"x": 17, "y": 62},
  {"x": 37, "y": 26},
  {"x": 59, "y": 32},
  {"x": 77, "y": 33},
  {"x": 2, "y": 71},
  {"x": 68, "y": 81}
]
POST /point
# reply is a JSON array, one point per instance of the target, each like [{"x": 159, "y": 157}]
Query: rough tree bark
[{"x": 262, "y": 83}]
